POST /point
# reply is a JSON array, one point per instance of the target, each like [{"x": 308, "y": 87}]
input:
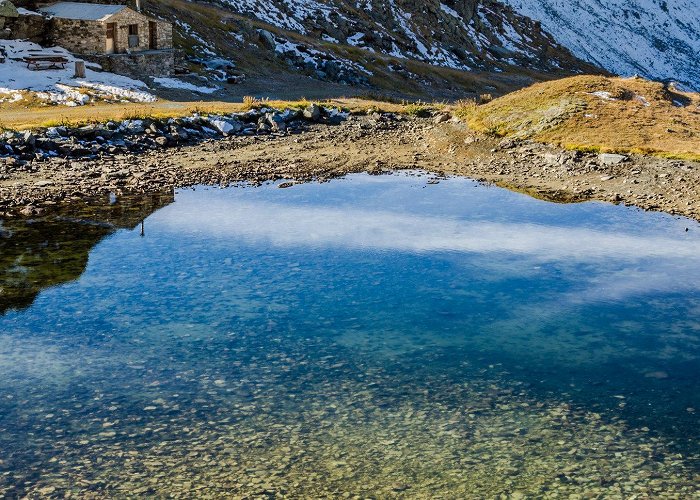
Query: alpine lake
[{"x": 394, "y": 336}]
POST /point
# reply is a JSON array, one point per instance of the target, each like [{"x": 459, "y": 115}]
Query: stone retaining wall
[
  {"x": 137, "y": 65},
  {"x": 28, "y": 27}
]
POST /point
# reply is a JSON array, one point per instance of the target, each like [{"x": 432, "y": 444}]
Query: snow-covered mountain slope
[
  {"x": 460, "y": 34},
  {"x": 658, "y": 39}
]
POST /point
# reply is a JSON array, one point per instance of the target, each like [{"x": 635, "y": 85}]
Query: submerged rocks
[{"x": 240, "y": 425}]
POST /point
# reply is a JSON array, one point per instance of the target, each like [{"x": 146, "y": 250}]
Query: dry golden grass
[
  {"x": 637, "y": 116},
  {"x": 28, "y": 117}
]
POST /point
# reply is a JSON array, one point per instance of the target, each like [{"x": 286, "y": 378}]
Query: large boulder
[
  {"x": 276, "y": 121},
  {"x": 7, "y": 9},
  {"x": 313, "y": 113},
  {"x": 225, "y": 125},
  {"x": 267, "y": 39}
]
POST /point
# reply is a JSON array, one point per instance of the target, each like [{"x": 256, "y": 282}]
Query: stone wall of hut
[
  {"x": 138, "y": 65},
  {"x": 79, "y": 37}
]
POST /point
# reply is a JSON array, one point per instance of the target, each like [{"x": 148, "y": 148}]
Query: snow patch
[
  {"x": 642, "y": 100},
  {"x": 204, "y": 46},
  {"x": 289, "y": 15},
  {"x": 601, "y": 94},
  {"x": 10, "y": 95},
  {"x": 173, "y": 83},
  {"x": 356, "y": 39},
  {"x": 24, "y": 12},
  {"x": 59, "y": 86},
  {"x": 448, "y": 10}
]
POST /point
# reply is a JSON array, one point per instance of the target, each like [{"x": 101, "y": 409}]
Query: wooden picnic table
[{"x": 46, "y": 61}]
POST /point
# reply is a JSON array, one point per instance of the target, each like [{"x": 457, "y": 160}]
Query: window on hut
[{"x": 133, "y": 35}]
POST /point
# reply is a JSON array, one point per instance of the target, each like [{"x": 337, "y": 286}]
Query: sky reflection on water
[{"x": 590, "y": 305}]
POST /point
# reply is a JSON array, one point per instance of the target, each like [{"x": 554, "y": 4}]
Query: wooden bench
[{"x": 46, "y": 62}]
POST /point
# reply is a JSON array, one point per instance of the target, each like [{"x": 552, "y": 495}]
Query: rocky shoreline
[
  {"x": 45, "y": 169},
  {"x": 68, "y": 164},
  {"x": 94, "y": 141}
]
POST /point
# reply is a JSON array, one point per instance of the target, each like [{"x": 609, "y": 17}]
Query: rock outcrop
[{"x": 461, "y": 34}]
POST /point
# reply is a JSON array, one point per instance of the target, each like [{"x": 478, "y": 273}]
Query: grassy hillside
[{"x": 596, "y": 113}]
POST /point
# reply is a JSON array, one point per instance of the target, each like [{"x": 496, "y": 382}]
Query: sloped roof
[{"x": 82, "y": 11}]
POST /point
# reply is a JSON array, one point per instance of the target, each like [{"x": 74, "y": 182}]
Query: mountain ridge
[
  {"x": 460, "y": 34},
  {"x": 657, "y": 39}
]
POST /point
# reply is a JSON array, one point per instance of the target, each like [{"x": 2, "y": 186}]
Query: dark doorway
[
  {"x": 152, "y": 35},
  {"x": 111, "y": 30}
]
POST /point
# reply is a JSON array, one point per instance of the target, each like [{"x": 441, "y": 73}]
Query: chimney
[{"x": 138, "y": 5}]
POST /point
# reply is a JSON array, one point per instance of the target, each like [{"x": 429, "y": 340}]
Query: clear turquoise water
[{"x": 371, "y": 336}]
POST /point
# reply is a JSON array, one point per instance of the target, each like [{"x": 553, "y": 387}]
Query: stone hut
[{"x": 115, "y": 36}]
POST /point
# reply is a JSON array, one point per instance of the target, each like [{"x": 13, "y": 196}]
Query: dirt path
[{"x": 364, "y": 144}]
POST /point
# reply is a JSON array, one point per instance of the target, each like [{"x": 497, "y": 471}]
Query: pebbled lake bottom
[{"x": 371, "y": 337}]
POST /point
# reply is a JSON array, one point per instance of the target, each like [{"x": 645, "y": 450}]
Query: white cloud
[{"x": 356, "y": 228}]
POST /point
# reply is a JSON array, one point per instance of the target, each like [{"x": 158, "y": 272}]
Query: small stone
[
  {"x": 398, "y": 487},
  {"x": 441, "y": 118},
  {"x": 612, "y": 159}
]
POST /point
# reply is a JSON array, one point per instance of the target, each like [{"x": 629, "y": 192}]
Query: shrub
[
  {"x": 485, "y": 98},
  {"x": 250, "y": 102},
  {"x": 417, "y": 109},
  {"x": 583, "y": 148},
  {"x": 465, "y": 108}
]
